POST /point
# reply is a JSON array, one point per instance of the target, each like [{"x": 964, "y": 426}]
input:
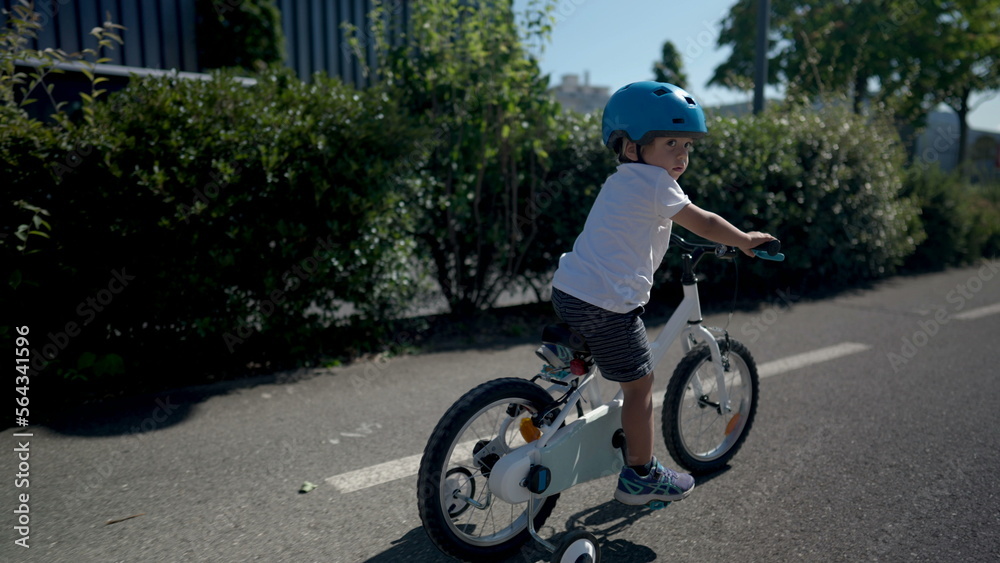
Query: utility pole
[{"x": 760, "y": 60}]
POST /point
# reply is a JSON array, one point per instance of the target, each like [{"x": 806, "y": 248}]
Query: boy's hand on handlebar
[{"x": 755, "y": 239}]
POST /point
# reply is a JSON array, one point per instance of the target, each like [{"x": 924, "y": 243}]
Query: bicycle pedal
[{"x": 657, "y": 504}]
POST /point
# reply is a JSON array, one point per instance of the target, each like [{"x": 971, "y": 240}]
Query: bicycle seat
[{"x": 563, "y": 335}]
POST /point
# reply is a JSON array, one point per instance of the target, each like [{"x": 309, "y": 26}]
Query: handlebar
[{"x": 770, "y": 250}]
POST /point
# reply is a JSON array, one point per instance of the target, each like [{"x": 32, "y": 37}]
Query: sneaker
[{"x": 661, "y": 484}]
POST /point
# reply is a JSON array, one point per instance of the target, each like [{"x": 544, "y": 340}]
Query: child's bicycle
[{"x": 495, "y": 464}]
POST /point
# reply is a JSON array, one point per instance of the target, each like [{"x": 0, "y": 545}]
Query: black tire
[
  {"x": 698, "y": 436},
  {"x": 454, "y": 529}
]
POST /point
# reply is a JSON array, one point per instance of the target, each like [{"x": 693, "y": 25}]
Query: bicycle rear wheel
[
  {"x": 461, "y": 517},
  {"x": 699, "y": 436}
]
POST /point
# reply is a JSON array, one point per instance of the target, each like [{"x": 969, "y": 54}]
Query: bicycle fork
[{"x": 723, "y": 407}]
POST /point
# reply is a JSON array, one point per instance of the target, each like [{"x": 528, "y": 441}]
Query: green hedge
[
  {"x": 196, "y": 227},
  {"x": 248, "y": 222},
  {"x": 828, "y": 183},
  {"x": 962, "y": 221},
  {"x": 578, "y": 166}
]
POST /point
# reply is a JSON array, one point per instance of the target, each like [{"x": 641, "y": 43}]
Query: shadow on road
[
  {"x": 133, "y": 415},
  {"x": 603, "y": 521},
  {"x": 148, "y": 413},
  {"x": 138, "y": 413},
  {"x": 416, "y": 547},
  {"x": 607, "y": 520},
  {"x": 624, "y": 551},
  {"x": 701, "y": 480},
  {"x": 413, "y": 546}
]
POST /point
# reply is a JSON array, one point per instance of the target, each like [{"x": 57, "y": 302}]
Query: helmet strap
[{"x": 638, "y": 154}]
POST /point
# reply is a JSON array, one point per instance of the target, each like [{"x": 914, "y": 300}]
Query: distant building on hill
[
  {"x": 938, "y": 144},
  {"x": 583, "y": 98}
]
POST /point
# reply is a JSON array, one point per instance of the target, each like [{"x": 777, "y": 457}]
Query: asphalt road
[{"x": 887, "y": 453}]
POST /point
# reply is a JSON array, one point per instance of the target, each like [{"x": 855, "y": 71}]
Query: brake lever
[
  {"x": 770, "y": 250},
  {"x": 774, "y": 257}
]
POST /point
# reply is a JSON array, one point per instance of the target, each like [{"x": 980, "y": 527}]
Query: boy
[{"x": 600, "y": 287}]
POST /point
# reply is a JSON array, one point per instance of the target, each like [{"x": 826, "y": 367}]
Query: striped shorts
[{"x": 617, "y": 340}]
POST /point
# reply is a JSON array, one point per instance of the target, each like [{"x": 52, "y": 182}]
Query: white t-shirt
[{"x": 624, "y": 239}]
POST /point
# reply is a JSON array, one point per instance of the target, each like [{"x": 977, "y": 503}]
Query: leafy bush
[
  {"x": 302, "y": 170},
  {"x": 577, "y": 168},
  {"x": 210, "y": 224},
  {"x": 962, "y": 221},
  {"x": 827, "y": 183}
]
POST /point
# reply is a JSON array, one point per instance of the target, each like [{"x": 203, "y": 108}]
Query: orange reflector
[
  {"x": 732, "y": 423},
  {"x": 529, "y": 431}
]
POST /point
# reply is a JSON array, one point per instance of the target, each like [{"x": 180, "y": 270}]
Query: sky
[{"x": 618, "y": 41}]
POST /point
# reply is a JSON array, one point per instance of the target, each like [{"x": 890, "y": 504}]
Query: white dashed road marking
[
  {"x": 388, "y": 471},
  {"x": 980, "y": 312},
  {"x": 376, "y": 474},
  {"x": 809, "y": 358},
  {"x": 405, "y": 467}
]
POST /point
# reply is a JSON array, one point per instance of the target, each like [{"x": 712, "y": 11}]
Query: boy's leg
[
  {"x": 637, "y": 419},
  {"x": 644, "y": 479},
  {"x": 620, "y": 347}
]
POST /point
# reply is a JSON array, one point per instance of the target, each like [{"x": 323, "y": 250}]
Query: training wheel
[
  {"x": 579, "y": 546},
  {"x": 458, "y": 481}
]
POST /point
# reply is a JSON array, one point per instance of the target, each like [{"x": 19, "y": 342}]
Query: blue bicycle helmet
[{"x": 642, "y": 111}]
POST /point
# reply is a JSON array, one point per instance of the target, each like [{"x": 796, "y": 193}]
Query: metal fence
[
  {"x": 159, "y": 33},
  {"x": 162, "y": 34},
  {"x": 315, "y": 39}
]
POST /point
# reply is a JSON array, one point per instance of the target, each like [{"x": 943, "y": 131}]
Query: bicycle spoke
[
  {"x": 494, "y": 427},
  {"x": 484, "y": 523},
  {"x": 701, "y": 433}
]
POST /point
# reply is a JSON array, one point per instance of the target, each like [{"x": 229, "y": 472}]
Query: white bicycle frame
[{"x": 583, "y": 449}]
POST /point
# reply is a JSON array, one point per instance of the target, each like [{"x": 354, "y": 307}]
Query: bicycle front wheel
[
  {"x": 459, "y": 513},
  {"x": 701, "y": 435}
]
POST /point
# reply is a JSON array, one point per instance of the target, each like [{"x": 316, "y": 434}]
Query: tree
[
  {"x": 815, "y": 47},
  {"x": 462, "y": 70},
  {"x": 961, "y": 56},
  {"x": 739, "y": 30},
  {"x": 909, "y": 55},
  {"x": 239, "y": 33},
  {"x": 670, "y": 67}
]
